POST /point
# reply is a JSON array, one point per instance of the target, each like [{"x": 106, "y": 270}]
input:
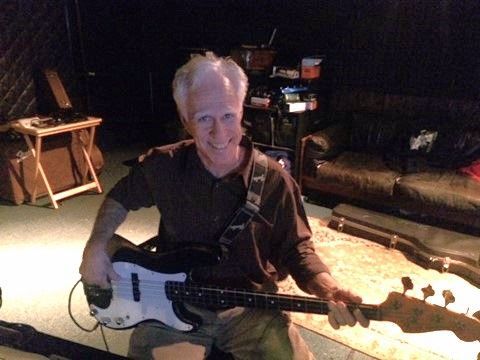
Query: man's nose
[{"x": 218, "y": 128}]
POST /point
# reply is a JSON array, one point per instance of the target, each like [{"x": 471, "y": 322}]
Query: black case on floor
[
  {"x": 428, "y": 246},
  {"x": 30, "y": 342}
]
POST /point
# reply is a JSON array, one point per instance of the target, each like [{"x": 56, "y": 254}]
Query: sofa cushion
[
  {"x": 358, "y": 173},
  {"x": 442, "y": 189},
  {"x": 372, "y": 133},
  {"x": 456, "y": 147}
]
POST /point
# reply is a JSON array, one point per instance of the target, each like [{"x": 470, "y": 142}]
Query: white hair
[{"x": 193, "y": 73}]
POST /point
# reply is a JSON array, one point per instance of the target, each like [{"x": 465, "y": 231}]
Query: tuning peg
[
  {"x": 448, "y": 296},
  {"x": 427, "y": 292},
  {"x": 407, "y": 284},
  {"x": 476, "y": 315}
]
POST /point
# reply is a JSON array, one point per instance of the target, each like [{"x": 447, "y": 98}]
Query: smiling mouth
[{"x": 219, "y": 146}]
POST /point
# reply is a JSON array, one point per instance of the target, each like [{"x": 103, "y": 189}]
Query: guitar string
[
  {"x": 126, "y": 285},
  {"x": 231, "y": 296},
  {"x": 158, "y": 288}
]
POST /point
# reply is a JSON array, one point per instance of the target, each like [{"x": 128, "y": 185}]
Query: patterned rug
[{"x": 374, "y": 271}]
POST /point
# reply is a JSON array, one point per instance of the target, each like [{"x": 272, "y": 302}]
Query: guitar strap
[{"x": 244, "y": 214}]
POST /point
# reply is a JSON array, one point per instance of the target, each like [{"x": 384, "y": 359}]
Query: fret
[
  {"x": 221, "y": 297},
  {"x": 249, "y": 300}
]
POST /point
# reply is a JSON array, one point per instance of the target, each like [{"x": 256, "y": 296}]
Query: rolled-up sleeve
[{"x": 297, "y": 252}]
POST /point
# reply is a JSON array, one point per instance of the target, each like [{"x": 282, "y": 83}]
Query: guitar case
[
  {"x": 23, "y": 342},
  {"x": 428, "y": 246}
]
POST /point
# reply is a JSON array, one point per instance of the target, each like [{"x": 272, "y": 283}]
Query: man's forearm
[{"x": 110, "y": 216}]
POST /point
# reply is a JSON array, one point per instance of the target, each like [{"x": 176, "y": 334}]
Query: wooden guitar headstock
[{"x": 415, "y": 316}]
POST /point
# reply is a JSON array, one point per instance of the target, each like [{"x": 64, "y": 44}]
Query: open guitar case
[{"x": 428, "y": 246}]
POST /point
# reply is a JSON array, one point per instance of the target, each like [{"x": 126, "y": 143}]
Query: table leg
[
  {"x": 91, "y": 170},
  {"x": 37, "y": 151},
  {"x": 37, "y": 154},
  {"x": 88, "y": 155}
]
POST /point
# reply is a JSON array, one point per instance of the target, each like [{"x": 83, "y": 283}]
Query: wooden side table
[{"x": 28, "y": 131}]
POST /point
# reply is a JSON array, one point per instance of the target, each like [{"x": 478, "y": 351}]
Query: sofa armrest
[
  {"x": 321, "y": 146},
  {"x": 328, "y": 142}
]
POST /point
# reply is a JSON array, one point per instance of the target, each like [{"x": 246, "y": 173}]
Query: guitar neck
[{"x": 214, "y": 296}]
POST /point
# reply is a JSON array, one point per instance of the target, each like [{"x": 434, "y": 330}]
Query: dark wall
[
  {"x": 415, "y": 47},
  {"x": 404, "y": 46},
  {"x": 134, "y": 47},
  {"x": 125, "y": 52}
]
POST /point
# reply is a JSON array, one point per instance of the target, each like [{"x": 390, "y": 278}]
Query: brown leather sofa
[{"x": 397, "y": 153}]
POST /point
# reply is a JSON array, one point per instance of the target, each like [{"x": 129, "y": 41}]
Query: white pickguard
[{"x": 124, "y": 312}]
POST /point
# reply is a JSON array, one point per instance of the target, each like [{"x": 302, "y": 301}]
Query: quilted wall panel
[{"x": 34, "y": 36}]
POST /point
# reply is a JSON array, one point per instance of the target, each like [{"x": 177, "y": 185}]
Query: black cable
[
  {"x": 71, "y": 314},
  {"x": 78, "y": 324}
]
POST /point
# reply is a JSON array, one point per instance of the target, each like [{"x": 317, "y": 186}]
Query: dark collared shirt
[{"x": 196, "y": 207}]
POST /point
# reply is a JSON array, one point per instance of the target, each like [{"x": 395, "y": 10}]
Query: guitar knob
[
  {"x": 427, "y": 292},
  {"x": 119, "y": 321},
  {"x": 448, "y": 296},
  {"x": 93, "y": 312}
]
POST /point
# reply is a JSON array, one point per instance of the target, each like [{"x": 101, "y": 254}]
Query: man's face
[{"x": 214, "y": 120}]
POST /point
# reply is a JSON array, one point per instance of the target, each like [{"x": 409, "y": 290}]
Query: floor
[{"x": 40, "y": 251}]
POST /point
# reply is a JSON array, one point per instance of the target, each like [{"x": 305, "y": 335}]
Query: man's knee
[
  {"x": 281, "y": 340},
  {"x": 151, "y": 342},
  {"x": 181, "y": 350}
]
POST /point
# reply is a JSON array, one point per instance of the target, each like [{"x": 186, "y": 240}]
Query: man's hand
[
  {"x": 324, "y": 286},
  {"x": 96, "y": 267}
]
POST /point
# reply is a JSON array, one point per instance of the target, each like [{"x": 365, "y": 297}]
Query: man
[{"x": 198, "y": 187}]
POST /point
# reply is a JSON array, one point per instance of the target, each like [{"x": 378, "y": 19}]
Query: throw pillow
[
  {"x": 473, "y": 170},
  {"x": 408, "y": 153},
  {"x": 423, "y": 141}
]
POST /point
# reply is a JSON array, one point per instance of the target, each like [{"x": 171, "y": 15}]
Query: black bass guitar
[{"x": 153, "y": 287}]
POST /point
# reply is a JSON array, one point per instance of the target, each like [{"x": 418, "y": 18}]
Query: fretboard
[{"x": 214, "y": 296}]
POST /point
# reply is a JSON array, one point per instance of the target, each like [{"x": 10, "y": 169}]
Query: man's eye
[
  {"x": 203, "y": 119},
  {"x": 229, "y": 116}
]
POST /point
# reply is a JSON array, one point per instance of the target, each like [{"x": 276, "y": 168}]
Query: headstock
[{"x": 415, "y": 316}]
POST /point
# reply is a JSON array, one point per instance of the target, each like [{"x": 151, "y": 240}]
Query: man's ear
[{"x": 186, "y": 125}]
